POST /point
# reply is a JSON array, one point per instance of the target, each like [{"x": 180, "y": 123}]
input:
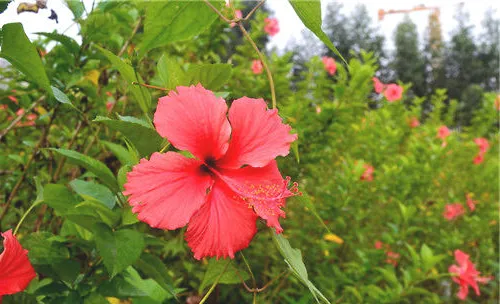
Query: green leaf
[
  {"x": 293, "y": 257},
  {"x": 211, "y": 76},
  {"x": 76, "y": 7},
  {"x": 59, "y": 198},
  {"x": 62, "y": 98},
  {"x": 171, "y": 21},
  {"x": 145, "y": 139},
  {"x": 118, "y": 249},
  {"x": 95, "y": 192},
  {"x": 68, "y": 42},
  {"x": 22, "y": 54},
  {"x": 170, "y": 72},
  {"x": 155, "y": 268},
  {"x": 89, "y": 213},
  {"x": 91, "y": 164},
  {"x": 3, "y": 6},
  {"x": 43, "y": 249},
  {"x": 310, "y": 14},
  {"x": 230, "y": 276},
  {"x": 124, "y": 156},
  {"x": 141, "y": 94}
]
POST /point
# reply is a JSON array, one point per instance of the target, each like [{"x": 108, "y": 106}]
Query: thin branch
[
  {"x": 263, "y": 60},
  {"x": 217, "y": 11},
  {"x": 149, "y": 86},
  {"x": 71, "y": 142},
  {"x": 26, "y": 167},
  {"x": 134, "y": 31},
  {"x": 18, "y": 118},
  {"x": 253, "y": 10}
]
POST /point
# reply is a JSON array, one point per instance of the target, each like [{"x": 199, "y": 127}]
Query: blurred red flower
[
  {"x": 16, "y": 271},
  {"x": 393, "y": 92},
  {"x": 465, "y": 274},
  {"x": 272, "y": 27},
  {"x": 257, "y": 66},
  {"x": 329, "y": 64},
  {"x": 414, "y": 122},
  {"x": 452, "y": 211},
  {"x": 368, "y": 174},
  {"x": 470, "y": 202},
  {"x": 378, "y": 85},
  {"x": 237, "y": 14},
  {"x": 228, "y": 184}
]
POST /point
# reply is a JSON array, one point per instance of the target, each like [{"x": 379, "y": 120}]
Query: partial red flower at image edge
[{"x": 232, "y": 180}]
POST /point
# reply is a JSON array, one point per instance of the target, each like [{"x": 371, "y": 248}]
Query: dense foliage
[{"x": 375, "y": 222}]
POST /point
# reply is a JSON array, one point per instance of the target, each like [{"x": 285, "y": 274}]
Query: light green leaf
[
  {"x": 125, "y": 156},
  {"x": 141, "y": 94},
  {"x": 170, "y": 72},
  {"x": 22, "y": 54},
  {"x": 145, "y": 139},
  {"x": 310, "y": 14},
  {"x": 211, "y": 76},
  {"x": 95, "y": 192},
  {"x": 215, "y": 267},
  {"x": 89, "y": 213},
  {"x": 68, "y": 42},
  {"x": 155, "y": 268},
  {"x": 293, "y": 257},
  {"x": 118, "y": 249},
  {"x": 62, "y": 98},
  {"x": 91, "y": 164},
  {"x": 170, "y": 21},
  {"x": 76, "y": 7}
]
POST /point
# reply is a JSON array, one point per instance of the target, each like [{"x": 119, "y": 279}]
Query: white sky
[{"x": 290, "y": 25}]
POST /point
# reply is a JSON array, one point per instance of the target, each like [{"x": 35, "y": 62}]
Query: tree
[{"x": 408, "y": 62}]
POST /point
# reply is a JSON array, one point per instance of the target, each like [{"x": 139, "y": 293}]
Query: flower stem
[
  {"x": 26, "y": 214},
  {"x": 215, "y": 283}
]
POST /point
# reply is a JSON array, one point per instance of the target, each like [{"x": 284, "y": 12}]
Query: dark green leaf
[
  {"x": 43, "y": 250},
  {"x": 95, "y": 192},
  {"x": 91, "y": 164},
  {"x": 211, "y": 76},
  {"x": 141, "y": 94},
  {"x": 145, "y": 139},
  {"x": 155, "y": 268},
  {"x": 172, "y": 21},
  {"x": 118, "y": 249},
  {"x": 124, "y": 156},
  {"x": 22, "y": 54},
  {"x": 310, "y": 14},
  {"x": 214, "y": 269},
  {"x": 3, "y": 6},
  {"x": 59, "y": 197},
  {"x": 89, "y": 213}
]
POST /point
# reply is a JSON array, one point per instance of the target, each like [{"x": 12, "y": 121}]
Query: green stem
[
  {"x": 249, "y": 270},
  {"x": 215, "y": 283},
  {"x": 26, "y": 214}
]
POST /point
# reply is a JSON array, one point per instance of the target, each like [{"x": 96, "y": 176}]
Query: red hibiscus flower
[
  {"x": 220, "y": 192},
  {"x": 414, "y": 122},
  {"x": 368, "y": 174},
  {"x": 466, "y": 275},
  {"x": 238, "y": 15},
  {"x": 330, "y": 65},
  {"x": 13, "y": 99},
  {"x": 378, "y": 85},
  {"x": 470, "y": 202},
  {"x": 378, "y": 245},
  {"x": 483, "y": 144},
  {"x": 16, "y": 271},
  {"x": 393, "y": 92},
  {"x": 392, "y": 258},
  {"x": 272, "y": 27},
  {"x": 257, "y": 67},
  {"x": 452, "y": 211}
]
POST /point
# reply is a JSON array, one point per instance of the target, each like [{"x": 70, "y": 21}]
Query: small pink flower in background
[
  {"x": 470, "y": 202},
  {"x": 272, "y": 27},
  {"x": 452, "y": 211},
  {"x": 3, "y": 107},
  {"x": 318, "y": 109},
  {"x": 393, "y": 92},
  {"x": 13, "y": 99},
  {"x": 257, "y": 67},
  {"x": 392, "y": 258},
  {"x": 31, "y": 117},
  {"x": 238, "y": 14},
  {"x": 378, "y": 244},
  {"x": 109, "y": 94},
  {"x": 414, "y": 122},
  {"x": 443, "y": 133},
  {"x": 368, "y": 174},
  {"x": 483, "y": 144},
  {"x": 109, "y": 105},
  {"x": 20, "y": 112},
  {"x": 330, "y": 65},
  {"x": 378, "y": 85},
  {"x": 465, "y": 275},
  {"x": 478, "y": 159},
  {"x": 497, "y": 103}
]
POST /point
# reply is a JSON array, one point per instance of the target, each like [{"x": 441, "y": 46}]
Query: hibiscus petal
[
  {"x": 461, "y": 257},
  {"x": 224, "y": 225},
  {"x": 195, "y": 120},
  {"x": 16, "y": 271},
  {"x": 166, "y": 190},
  {"x": 463, "y": 292},
  {"x": 258, "y": 135},
  {"x": 262, "y": 188}
]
